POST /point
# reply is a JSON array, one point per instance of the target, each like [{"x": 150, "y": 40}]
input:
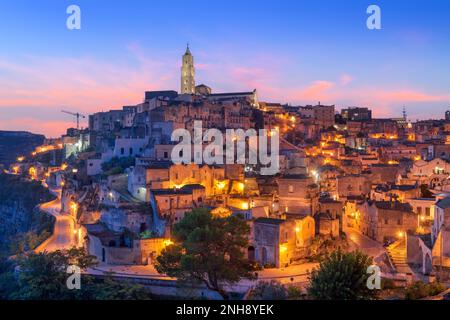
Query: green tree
[
  {"x": 209, "y": 250},
  {"x": 342, "y": 276},
  {"x": 42, "y": 276}
]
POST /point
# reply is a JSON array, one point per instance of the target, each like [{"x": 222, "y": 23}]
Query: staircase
[{"x": 397, "y": 253}]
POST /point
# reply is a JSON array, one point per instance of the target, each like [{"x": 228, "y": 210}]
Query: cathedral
[{"x": 188, "y": 86}]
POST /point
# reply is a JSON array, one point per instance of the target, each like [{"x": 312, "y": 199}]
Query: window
[
  {"x": 419, "y": 210},
  {"x": 166, "y": 154},
  {"x": 386, "y": 221},
  {"x": 131, "y": 151},
  {"x": 427, "y": 212},
  {"x": 399, "y": 222},
  {"x": 291, "y": 188},
  {"x": 122, "y": 150}
]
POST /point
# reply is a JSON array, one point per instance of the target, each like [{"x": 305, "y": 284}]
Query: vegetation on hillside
[
  {"x": 23, "y": 226},
  {"x": 44, "y": 276},
  {"x": 117, "y": 165}
]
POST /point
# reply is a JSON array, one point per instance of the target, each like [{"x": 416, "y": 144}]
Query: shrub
[
  {"x": 272, "y": 290},
  {"x": 419, "y": 290}
]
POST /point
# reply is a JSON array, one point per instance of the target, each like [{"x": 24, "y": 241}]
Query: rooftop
[
  {"x": 269, "y": 221},
  {"x": 393, "y": 205},
  {"x": 443, "y": 203}
]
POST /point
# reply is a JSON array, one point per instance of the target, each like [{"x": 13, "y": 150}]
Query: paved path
[
  {"x": 64, "y": 232},
  {"x": 364, "y": 243},
  {"x": 291, "y": 274}
]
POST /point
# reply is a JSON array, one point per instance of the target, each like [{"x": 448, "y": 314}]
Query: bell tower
[{"x": 188, "y": 73}]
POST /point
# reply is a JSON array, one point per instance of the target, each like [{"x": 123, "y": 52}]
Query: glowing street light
[{"x": 167, "y": 242}]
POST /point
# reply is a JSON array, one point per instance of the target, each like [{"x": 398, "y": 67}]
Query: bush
[
  {"x": 419, "y": 290},
  {"x": 117, "y": 165},
  {"x": 294, "y": 293},
  {"x": 387, "y": 284},
  {"x": 272, "y": 290}
]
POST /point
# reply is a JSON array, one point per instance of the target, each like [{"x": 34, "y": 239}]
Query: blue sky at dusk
[{"x": 298, "y": 52}]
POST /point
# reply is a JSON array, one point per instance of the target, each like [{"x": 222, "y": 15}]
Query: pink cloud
[
  {"x": 409, "y": 95},
  {"x": 346, "y": 79},
  {"x": 85, "y": 84},
  {"x": 88, "y": 85},
  {"x": 318, "y": 90}
]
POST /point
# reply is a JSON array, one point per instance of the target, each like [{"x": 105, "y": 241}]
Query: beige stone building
[
  {"x": 297, "y": 194},
  {"x": 276, "y": 242}
]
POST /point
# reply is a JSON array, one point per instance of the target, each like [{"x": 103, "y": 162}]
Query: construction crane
[{"x": 76, "y": 114}]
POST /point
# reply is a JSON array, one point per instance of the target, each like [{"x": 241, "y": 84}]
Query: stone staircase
[{"x": 397, "y": 254}]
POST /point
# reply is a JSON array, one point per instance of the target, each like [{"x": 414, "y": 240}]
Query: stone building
[
  {"x": 384, "y": 220},
  {"x": 327, "y": 225},
  {"x": 276, "y": 241},
  {"x": 297, "y": 194},
  {"x": 353, "y": 185}
]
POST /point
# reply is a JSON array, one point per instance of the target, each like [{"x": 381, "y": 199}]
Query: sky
[{"x": 298, "y": 52}]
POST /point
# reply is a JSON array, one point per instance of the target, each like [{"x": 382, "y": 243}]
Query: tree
[
  {"x": 209, "y": 250},
  {"x": 43, "y": 276},
  {"x": 342, "y": 276}
]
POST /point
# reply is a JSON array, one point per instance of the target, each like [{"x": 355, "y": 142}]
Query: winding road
[{"x": 64, "y": 232}]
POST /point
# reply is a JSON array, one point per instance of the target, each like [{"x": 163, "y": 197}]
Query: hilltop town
[{"x": 346, "y": 181}]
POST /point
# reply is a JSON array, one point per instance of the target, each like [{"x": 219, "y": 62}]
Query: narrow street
[
  {"x": 364, "y": 243},
  {"x": 63, "y": 234}
]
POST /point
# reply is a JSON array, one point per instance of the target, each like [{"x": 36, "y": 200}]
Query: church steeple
[
  {"x": 187, "y": 73},
  {"x": 187, "y": 49}
]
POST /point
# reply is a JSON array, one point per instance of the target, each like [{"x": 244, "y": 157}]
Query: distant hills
[{"x": 16, "y": 143}]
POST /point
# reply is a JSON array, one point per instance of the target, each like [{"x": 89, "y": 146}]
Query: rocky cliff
[{"x": 22, "y": 225}]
